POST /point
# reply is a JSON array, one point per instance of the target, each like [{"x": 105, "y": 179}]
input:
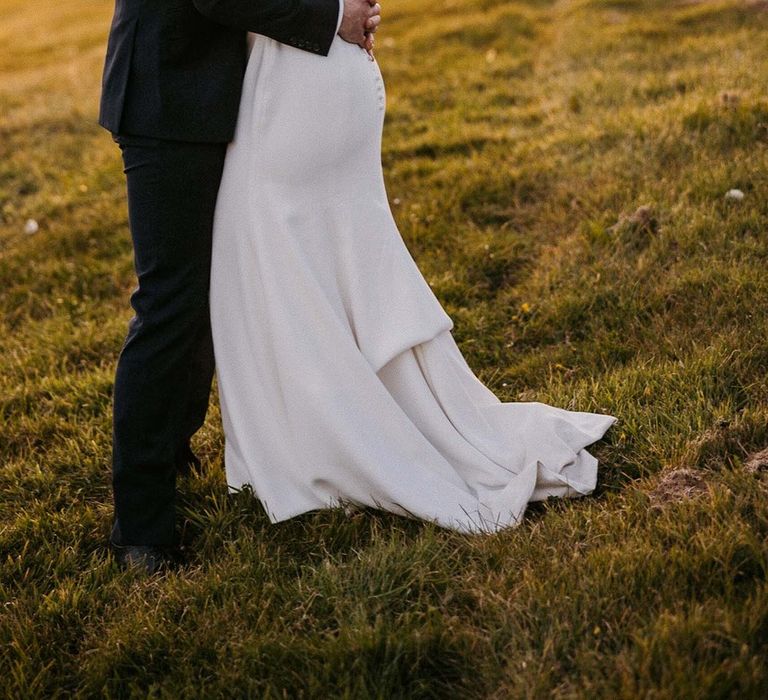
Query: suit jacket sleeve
[{"x": 307, "y": 24}]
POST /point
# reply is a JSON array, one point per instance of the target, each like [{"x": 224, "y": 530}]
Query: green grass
[{"x": 520, "y": 138}]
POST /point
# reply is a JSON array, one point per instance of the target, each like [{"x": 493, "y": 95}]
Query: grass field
[{"x": 521, "y": 139}]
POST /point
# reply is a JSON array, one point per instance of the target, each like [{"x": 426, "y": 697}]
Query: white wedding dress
[{"x": 339, "y": 379}]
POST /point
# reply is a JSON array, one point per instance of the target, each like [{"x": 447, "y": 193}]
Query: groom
[{"x": 170, "y": 97}]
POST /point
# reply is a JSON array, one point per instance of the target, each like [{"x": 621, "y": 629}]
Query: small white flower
[
  {"x": 734, "y": 195},
  {"x": 490, "y": 55},
  {"x": 31, "y": 227}
]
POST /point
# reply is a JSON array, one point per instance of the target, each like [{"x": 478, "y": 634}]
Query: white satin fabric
[{"x": 339, "y": 379}]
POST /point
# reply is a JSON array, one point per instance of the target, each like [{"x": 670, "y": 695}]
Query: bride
[{"x": 339, "y": 379}]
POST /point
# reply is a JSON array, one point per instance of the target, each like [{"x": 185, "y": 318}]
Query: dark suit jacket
[{"x": 174, "y": 68}]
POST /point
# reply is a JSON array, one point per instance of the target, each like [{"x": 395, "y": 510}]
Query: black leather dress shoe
[{"x": 147, "y": 558}]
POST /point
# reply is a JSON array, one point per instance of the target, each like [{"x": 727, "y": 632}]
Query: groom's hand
[{"x": 360, "y": 21}]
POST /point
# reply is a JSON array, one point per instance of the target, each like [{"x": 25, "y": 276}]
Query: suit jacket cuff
[
  {"x": 306, "y": 24},
  {"x": 341, "y": 16}
]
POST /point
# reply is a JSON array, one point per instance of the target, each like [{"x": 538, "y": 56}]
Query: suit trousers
[{"x": 166, "y": 365}]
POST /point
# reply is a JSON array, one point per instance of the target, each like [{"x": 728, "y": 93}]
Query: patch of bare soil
[
  {"x": 677, "y": 485},
  {"x": 757, "y": 463}
]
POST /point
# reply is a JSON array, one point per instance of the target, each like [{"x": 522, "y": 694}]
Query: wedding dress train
[{"x": 338, "y": 375}]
